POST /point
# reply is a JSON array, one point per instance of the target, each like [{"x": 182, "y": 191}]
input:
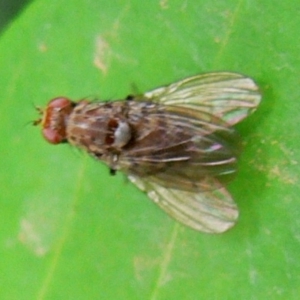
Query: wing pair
[{"x": 209, "y": 104}]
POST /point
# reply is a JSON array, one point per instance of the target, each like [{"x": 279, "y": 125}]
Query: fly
[{"x": 176, "y": 142}]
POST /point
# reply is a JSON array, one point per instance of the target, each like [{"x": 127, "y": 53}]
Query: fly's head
[{"x": 54, "y": 119}]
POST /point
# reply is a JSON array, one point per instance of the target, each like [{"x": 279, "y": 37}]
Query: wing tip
[{"x": 218, "y": 226}]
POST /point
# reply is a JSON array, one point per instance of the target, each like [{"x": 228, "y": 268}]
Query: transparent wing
[
  {"x": 228, "y": 96},
  {"x": 210, "y": 212}
]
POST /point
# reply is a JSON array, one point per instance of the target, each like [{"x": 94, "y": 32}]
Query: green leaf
[{"x": 71, "y": 231}]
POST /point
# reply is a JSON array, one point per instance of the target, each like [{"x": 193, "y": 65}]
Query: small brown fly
[{"x": 176, "y": 142}]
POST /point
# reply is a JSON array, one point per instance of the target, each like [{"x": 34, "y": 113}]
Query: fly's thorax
[{"x": 100, "y": 128}]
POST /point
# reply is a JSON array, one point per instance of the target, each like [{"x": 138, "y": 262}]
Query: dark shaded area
[{"x": 9, "y": 9}]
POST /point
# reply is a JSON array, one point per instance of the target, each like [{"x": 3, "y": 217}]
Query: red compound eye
[
  {"x": 60, "y": 103},
  {"x": 55, "y": 119}
]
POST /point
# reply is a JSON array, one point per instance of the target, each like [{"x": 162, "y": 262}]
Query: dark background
[{"x": 9, "y": 10}]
